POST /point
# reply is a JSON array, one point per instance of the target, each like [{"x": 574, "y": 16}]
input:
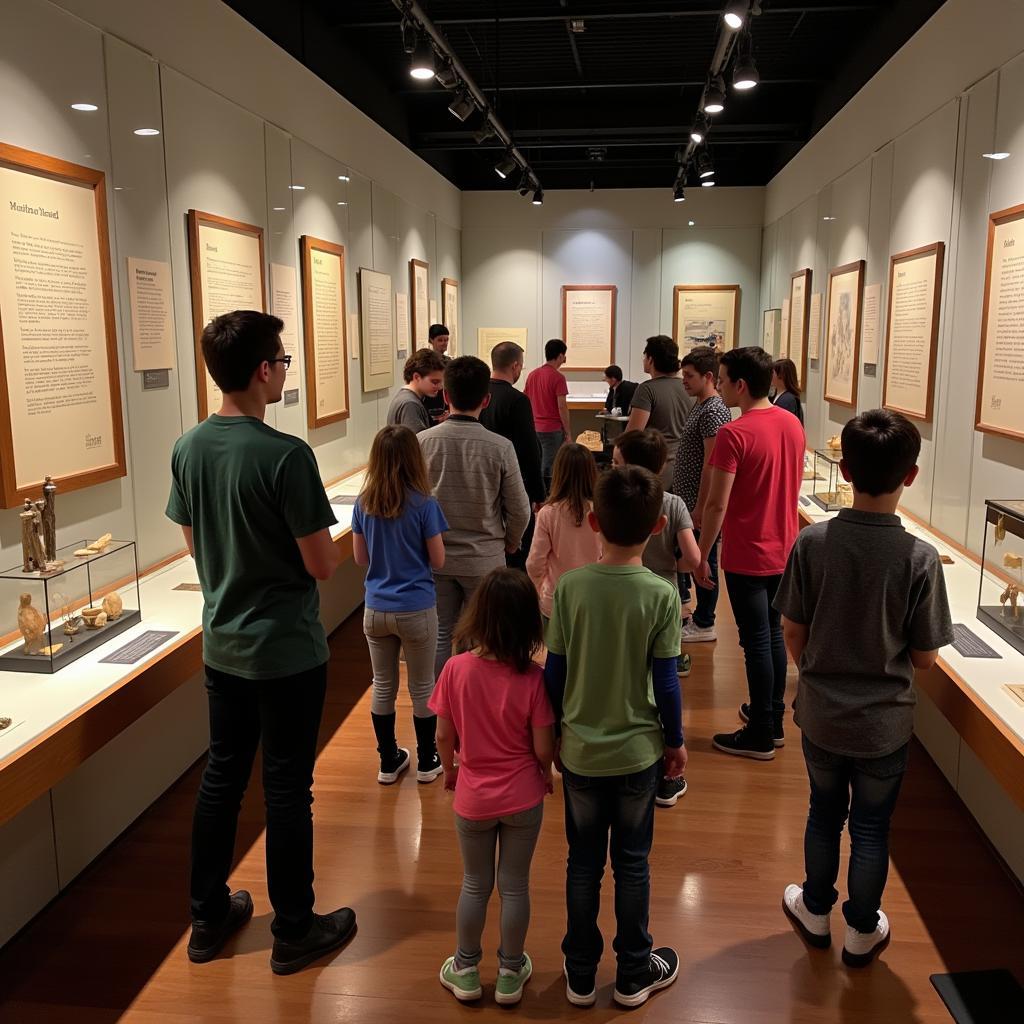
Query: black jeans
[
  {"x": 764, "y": 651},
  {"x": 707, "y": 600},
  {"x": 865, "y": 788},
  {"x": 285, "y": 714},
  {"x": 518, "y": 560},
  {"x": 622, "y": 805}
]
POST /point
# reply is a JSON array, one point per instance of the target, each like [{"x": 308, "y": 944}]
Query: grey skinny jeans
[
  {"x": 386, "y": 634},
  {"x": 453, "y": 594},
  {"x": 515, "y": 837}
]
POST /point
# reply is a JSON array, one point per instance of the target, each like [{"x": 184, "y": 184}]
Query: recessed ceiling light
[
  {"x": 147, "y": 131},
  {"x": 298, "y": 188},
  {"x": 344, "y": 177},
  {"x": 88, "y": 107},
  {"x": 691, "y": 222},
  {"x": 995, "y": 156},
  {"x": 278, "y": 209}
]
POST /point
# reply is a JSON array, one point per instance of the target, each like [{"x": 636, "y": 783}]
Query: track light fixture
[
  {"x": 699, "y": 131},
  {"x": 538, "y": 197},
  {"x": 708, "y": 183},
  {"x": 483, "y": 133},
  {"x": 506, "y": 165},
  {"x": 735, "y": 15},
  {"x": 705, "y": 166},
  {"x": 421, "y": 67},
  {"x": 446, "y": 76},
  {"x": 462, "y": 106},
  {"x": 714, "y": 96},
  {"x": 679, "y": 193},
  {"x": 744, "y": 74},
  {"x": 409, "y": 36}
]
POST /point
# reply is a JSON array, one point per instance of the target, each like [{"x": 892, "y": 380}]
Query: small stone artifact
[
  {"x": 72, "y": 624},
  {"x": 32, "y": 550},
  {"x": 113, "y": 605},
  {"x": 590, "y": 439},
  {"x": 834, "y": 443},
  {"x": 1011, "y": 560},
  {"x": 946, "y": 560},
  {"x": 5, "y": 722},
  {"x": 1011, "y": 594},
  {"x": 52, "y": 649},
  {"x": 94, "y": 548},
  {"x": 94, "y": 617},
  {"x": 31, "y": 623},
  {"x": 50, "y": 519}
]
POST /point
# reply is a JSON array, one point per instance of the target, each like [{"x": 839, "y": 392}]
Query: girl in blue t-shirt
[{"x": 397, "y": 529}]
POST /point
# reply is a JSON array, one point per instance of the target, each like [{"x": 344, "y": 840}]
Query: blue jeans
[
  {"x": 865, "y": 788},
  {"x": 550, "y": 442},
  {"x": 764, "y": 651},
  {"x": 622, "y": 805}
]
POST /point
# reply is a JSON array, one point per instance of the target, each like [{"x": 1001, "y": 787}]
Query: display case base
[
  {"x": 84, "y": 641},
  {"x": 1009, "y": 628}
]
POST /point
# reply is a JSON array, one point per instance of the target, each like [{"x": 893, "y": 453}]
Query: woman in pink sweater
[{"x": 562, "y": 538}]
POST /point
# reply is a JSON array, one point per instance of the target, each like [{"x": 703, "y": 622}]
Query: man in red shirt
[
  {"x": 546, "y": 389},
  {"x": 756, "y": 470}
]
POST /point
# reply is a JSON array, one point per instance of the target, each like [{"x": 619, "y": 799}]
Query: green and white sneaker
[
  {"x": 509, "y": 987},
  {"x": 464, "y": 984}
]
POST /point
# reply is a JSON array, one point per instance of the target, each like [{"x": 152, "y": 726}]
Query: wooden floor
[{"x": 113, "y": 947}]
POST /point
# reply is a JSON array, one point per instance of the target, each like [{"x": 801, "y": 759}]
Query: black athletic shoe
[
  {"x": 429, "y": 769},
  {"x": 206, "y": 940},
  {"x": 669, "y": 791},
  {"x": 327, "y": 932},
  {"x": 580, "y": 986},
  {"x": 661, "y": 972},
  {"x": 392, "y": 767},
  {"x": 745, "y": 743},
  {"x": 778, "y": 735}
]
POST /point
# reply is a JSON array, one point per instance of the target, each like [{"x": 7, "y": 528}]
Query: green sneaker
[
  {"x": 509, "y": 987},
  {"x": 464, "y": 984},
  {"x": 684, "y": 664}
]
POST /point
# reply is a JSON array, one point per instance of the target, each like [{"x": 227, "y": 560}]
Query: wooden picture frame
[
  {"x": 14, "y": 486},
  {"x": 318, "y": 413},
  {"x": 599, "y": 352},
  {"x": 936, "y": 251},
  {"x": 450, "y": 305},
  {"x": 419, "y": 304},
  {"x": 799, "y": 338},
  {"x": 998, "y": 409},
  {"x": 727, "y": 334},
  {"x": 201, "y": 314},
  {"x": 842, "y": 345}
]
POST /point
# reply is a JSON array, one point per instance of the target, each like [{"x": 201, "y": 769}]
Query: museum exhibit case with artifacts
[
  {"x": 831, "y": 492},
  {"x": 1001, "y": 588}
]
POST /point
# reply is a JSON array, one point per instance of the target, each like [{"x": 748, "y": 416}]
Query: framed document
[
  {"x": 588, "y": 325},
  {"x": 842, "y": 333},
  {"x": 60, "y": 385},
  {"x": 488, "y": 337},
  {"x": 784, "y": 330},
  {"x": 1000, "y": 406},
  {"x": 771, "y": 326},
  {"x": 799, "y": 317},
  {"x": 323, "y": 329},
  {"x": 401, "y": 325},
  {"x": 377, "y": 336},
  {"x": 705, "y": 314},
  {"x": 450, "y": 312},
  {"x": 814, "y": 328},
  {"x": 227, "y": 270},
  {"x": 419, "y": 296},
  {"x": 912, "y": 330}
]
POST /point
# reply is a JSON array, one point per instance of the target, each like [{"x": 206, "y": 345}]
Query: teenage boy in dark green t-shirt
[{"x": 255, "y": 517}]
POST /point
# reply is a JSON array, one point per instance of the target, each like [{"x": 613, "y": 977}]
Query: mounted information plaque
[{"x": 323, "y": 326}]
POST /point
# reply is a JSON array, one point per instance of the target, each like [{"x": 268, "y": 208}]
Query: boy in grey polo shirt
[{"x": 863, "y": 605}]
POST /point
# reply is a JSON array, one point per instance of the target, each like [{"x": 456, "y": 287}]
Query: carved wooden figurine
[
  {"x": 834, "y": 443},
  {"x": 33, "y": 553},
  {"x": 32, "y": 624},
  {"x": 1011, "y": 594},
  {"x": 50, "y": 519}
]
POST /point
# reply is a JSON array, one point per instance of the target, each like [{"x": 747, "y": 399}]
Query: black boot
[
  {"x": 393, "y": 759},
  {"x": 428, "y": 765}
]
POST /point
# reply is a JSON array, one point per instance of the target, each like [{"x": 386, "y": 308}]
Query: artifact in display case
[
  {"x": 1000, "y": 597},
  {"x": 50, "y": 617},
  {"x": 831, "y": 491}
]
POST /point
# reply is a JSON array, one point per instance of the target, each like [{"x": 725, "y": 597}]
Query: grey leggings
[
  {"x": 516, "y": 838},
  {"x": 386, "y": 634}
]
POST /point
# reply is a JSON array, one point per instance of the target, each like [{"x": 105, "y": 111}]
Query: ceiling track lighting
[
  {"x": 506, "y": 165},
  {"x": 744, "y": 73},
  {"x": 679, "y": 193},
  {"x": 409, "y": 36},
  {"x": 483, "y": 133},
  {"x": 705, "y": 165},
  {"x": 446, "y": 76},
  {"x": 714, "y": 96},
  {"x": 421, "y": 67},
  {"x": 735, "y": 15},
  {"x": 462, "y": 106},
  {"x": 699, "y": 131},
  {"x": 538, "y": 197}
]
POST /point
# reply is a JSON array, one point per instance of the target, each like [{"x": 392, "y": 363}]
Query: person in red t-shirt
[
  {"x": 756, "y": 471},
  {"x": 546, "y": 389}
]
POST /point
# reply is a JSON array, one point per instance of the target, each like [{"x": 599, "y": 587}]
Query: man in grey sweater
[{"x": 475, "y": 476}]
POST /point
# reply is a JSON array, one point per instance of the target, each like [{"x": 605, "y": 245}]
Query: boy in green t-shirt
[{"x": 612, "y": 645}]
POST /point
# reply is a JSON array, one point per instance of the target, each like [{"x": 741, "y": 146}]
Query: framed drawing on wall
[
  {"x": 799, "y": 316},
  {"x": 771, "y": 325},
  {"x": 377, "y": 332},
  {"x": 588, "y": 325},
  {"x": 323, "y": 328},
  {"x": 60, "y": 384},
  {"x": 227, "y": 273},
  {"x": 450, "y": 312},
  {"x": 912, "y": 330},
  {"x": 705, "y": 314},
  {"x": 842, "y": 333},
  {"x": 1000, "y": 404},
  {"x": 419, "y": 296}
]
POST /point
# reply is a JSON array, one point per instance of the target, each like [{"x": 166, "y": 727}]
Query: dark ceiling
[{"x": 605, "y": 107}]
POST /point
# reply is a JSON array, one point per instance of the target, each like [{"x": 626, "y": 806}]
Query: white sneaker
[
  {"x": 860, "y": 948},
  {"x": 813, "y": 927},
  {"x": 694, "y": 634}
]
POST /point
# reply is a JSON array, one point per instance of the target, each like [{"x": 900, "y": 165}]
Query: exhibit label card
[
  {"x": 376, "y": 329},
  {"x": 150, "y": 297},
  {"x": 354, "y": 334},
  {"x": 705, "y": 314},
  {"x": 284, "y": 303},
  {"x": 872, "y": 313},
  {"x": 488, "y": 337},
  {"x": 588, "y": 326},
  {"x": 814, "y": 328},
  {"x": 402, "y": 341},
  {"x": 433, "y": 312},
  {"x": 325, "y": 315},
  {"x": 450, "y": 302},
  {"x": 419, "y": 290},
  {"x": 784, "y": 331}
]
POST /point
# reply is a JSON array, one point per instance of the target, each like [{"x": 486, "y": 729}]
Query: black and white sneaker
[
  {"x": 391, "y": 768},
  {"x": 662, "y": 971},
  {"x": 669, "y": 791},
  {"x": 580, "y": 986},
  {"x": 745, "y": 743},
  {"x": 427, "y": 771},
  {"x": 777, "y": 734}
]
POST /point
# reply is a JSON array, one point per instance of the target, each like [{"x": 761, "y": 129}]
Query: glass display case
[
  {"x": 831, "y": 492},
  {"x": 48, "y": 619},
  {"x": 1000, "y": 599}
]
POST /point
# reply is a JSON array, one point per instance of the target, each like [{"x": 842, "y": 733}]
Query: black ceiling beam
[
  {"x": 691, "y": 83},
  {"x": 672, "y": 143}
]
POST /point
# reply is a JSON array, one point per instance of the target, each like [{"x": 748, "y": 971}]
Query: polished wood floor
[{"x": 113, "y": 947}]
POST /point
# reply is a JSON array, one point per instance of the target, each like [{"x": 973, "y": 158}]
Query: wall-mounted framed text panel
[
  {"x": 588, "y": 325},
  {"x": 1000, "y": 405},
  {"x": 323, "y": 331},
  {"x": 799, "y": 317},
  {"x": 842, "y": 333},
  {"x": 419, "y": 298},
  {"x": 912, "y": 330},
  {"x": 488, "y": 337},
  {"x": 227, "y": 273},
  {"x": 450, "y": 312},
  {"x": 814, "y": 328},
  {"x": 377, "y": 330},
  {"x": 60, "y": 384},
  {"x": 705, "y": 314},
  {"x": 771, "y": 327}
]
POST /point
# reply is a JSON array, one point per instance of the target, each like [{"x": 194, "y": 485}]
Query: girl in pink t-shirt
[
  {"x": 562, "y": 538},
  {"x": 492, "y": 708}
]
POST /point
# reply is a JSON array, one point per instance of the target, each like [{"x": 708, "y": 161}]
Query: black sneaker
[
  {"x": 662, "y": 971},
  {"x": 392, "y": 767},
  {"x": 327, "y": 932},
  {"x": 429, "y": 769},
  {"x": 669, "y": 791},
  {"x": 206, "y": 940},
  {"x": 580, "y": 986},
  {"x": 745, "y": 743},
  {"x": 778, "y": 735}
]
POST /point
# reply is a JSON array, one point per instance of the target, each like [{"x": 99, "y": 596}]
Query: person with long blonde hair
[{"x": 397, "y": 532}]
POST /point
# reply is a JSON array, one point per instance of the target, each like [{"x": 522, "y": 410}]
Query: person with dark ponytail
[{"x": 786, "y": 387}]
